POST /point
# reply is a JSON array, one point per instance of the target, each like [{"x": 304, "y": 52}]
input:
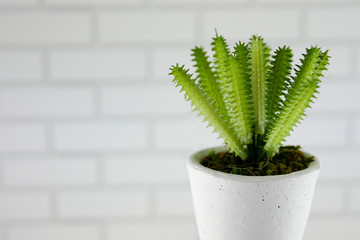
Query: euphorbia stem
[{"x": 260, "y": 153}]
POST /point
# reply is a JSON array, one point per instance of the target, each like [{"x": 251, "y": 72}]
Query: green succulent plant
[{"x": 248, "y": 95}]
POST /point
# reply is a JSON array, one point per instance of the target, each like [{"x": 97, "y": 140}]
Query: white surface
[
  {"x": 154, "y": 230},
  {"x": 20, "y": 65},
  {"x": 270, "y": 23},
  {"x": 333, "y": 28},
  {"x": 49, "y": 172},
  {"x": 102, "y": 204},
  {"x": 17, "y": 138},
  {"x": 106, "y": 45},
  {"x": 168, "y": 100},
  {"x": 55, "y": 231},
  {"x": 234, "y": 207},
  {"x": 46, "y": 102},
  {"x": 24, "y": 206},
  {"x": 44, "y": 28},
  {"x": 88, "y": 65},
  {"x": 99, "y": 136},
  {"x": 147, "y": 26}
]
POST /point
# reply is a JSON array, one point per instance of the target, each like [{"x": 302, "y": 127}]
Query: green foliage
[
  {"x": 301, "y": 92},
  {"x": 207, "y": 81},
  {"x": 248, "y": 95},
  {"x": 278, "y": 81},
  {"x": 202, "y": 104},
  {"x": 259, "y": 65}
]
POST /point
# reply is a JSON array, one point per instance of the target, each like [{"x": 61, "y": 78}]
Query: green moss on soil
[{"x": 289, "y": 159}]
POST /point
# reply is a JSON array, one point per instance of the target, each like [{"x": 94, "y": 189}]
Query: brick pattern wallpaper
[{"x": 94, "y": 136}]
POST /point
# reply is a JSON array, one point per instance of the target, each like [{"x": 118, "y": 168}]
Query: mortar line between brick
[
  {"x": 198, "y": 26},
  {"x": 302, "y": 25},
  {"x": 5, "y": 233},
  {"x": 54, "y": 211},
  {"x": 45, "y": 61},
  {"x": 49, "y": 137},
  {"x": 152, "y": 204},
  {"x": 246, "y": 5},
  {"x": 123, "y": 187},
  {"x": 176, "y": 7},
  {"x": 354, "y": 60},
  {"x": 97, "y": 101},
  {"x": 346, "y": 198},
  {"x": 155, "y": 44},
  {"x": 2, "y": 175},
  {"x": 148, "y": 118},
  {"x": 149, "y": 75},
  {"x": 100, "y": 174},
  {"x": 103, "y": 235},
  {"x": 94, "y": 26},
  {"x": 79, "y": 84},
  {"x": 148, "y": 4},
  {"x": 350, "y": 135},
  {"x": 97, "y": 222},
  {"x": 150, "y": 135},
  {"x": 339, "y": 215}
]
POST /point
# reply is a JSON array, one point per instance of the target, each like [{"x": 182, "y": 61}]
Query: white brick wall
[
  {"x": 46, "y": 102},
  {"x": 100, "y": 136},
  {"x": 20, "y": 65},
  {"x": 102, "y": 204},
  {"x": 93, "y": 2},
  {"x": 355, "y": 199},
  {"x": 347, "y": 93},
  {"x": 162, "y": 57},
  {"x": 184, "y": 134},
  {"x": 334, "y": 28},
  {"x": 22, "y": 137},
  {"x": 119, "y": 169},
  {"x": 52, "y": 172},
  {"x": 334, "y": 195},
  {"x": 160, "y": 2},
  {"x": 271, "y": 24},
  {"x": 147, "y": 26},
  {"x": 141, "y": 100},
  {"x": 319, "y": 131},
  {"x": 94, "y": 136},
  {"x": 166, "y": 206},
  {"x": 332, "y": 229},
  {"x": 55, "y": 231},
  {"x": 88, "y": 65},
  {"x": 356, "y": 132},
  {"x": 332, "y": 167},
  {"x": 24, "y": 206},
  {"x": 44, "y": 27},
  {"x": 140, "y": 231},
  {"x": 18, "y": 2}
]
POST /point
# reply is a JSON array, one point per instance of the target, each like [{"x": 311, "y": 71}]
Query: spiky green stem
[
  {"x": 207, "y": 81},
  {"x": 300, "y": 96},
  {"x": 292, "y": 113},
  {"x": 278, "y": 82},
  {"x": 221, "y": 59},
  {"x": 199, "y": 101},
  {"x": 238, "y": 94},
  {"x": 259, "y": 61},
  {"x": 250, "y": 101}
]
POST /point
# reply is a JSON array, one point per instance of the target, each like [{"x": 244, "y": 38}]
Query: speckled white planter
[{"x": 233, "y": 207}]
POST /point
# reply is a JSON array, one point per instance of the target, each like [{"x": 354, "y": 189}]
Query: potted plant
[{"x": 253, "y": 188}]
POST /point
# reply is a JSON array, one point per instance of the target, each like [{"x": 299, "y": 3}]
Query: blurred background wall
[{"x": 94, "y": 136}]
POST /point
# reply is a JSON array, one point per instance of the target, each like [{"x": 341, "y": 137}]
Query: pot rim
[{"x": 194, "y": 163}]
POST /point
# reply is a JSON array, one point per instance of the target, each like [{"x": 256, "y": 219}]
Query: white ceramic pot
[{"x": 234, "y": 207}]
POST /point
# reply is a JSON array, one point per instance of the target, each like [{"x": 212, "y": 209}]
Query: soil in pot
[{"x": 289, "y": 159}]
